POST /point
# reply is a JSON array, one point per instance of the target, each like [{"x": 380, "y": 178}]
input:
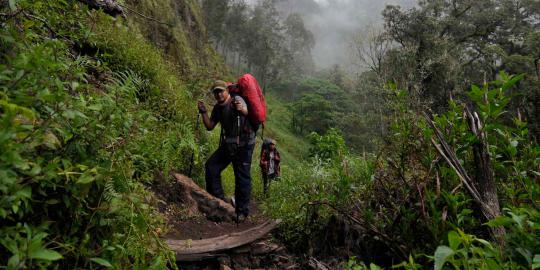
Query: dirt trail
[
  {"x": 192, "y": 215},
  {"x": 199, "y": 227}
]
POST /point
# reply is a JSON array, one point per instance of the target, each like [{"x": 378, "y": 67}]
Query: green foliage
[
  {"x": 296, "y": 197},
  {"x": 312, "y": 113},
  {"x": 320, "y": 104},
  {"x": 467, "y": 252},
  {"x": 416, "y": 200},
  {"x": 522, "y": 228},
  {"x": 89, "y": 112},
  {"x": 330, "y": 146},
  {"x": 257, "y": 40},
  {"x": 444, "y": 46},
  {"x": 352, "y": 264}
]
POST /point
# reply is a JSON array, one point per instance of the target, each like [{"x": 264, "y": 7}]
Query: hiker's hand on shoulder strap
[
  {"x": 201, "y": 106},
  {"x": 239, "y": 106}
]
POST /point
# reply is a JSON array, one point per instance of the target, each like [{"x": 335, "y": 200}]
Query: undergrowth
[
  {"x": 89, "y": 112},
  {"x": 406, "y": 202}
]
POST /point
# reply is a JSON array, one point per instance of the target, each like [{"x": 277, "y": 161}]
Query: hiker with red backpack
[
  {"x": 269, "y": 162},
  {"x": 239, "y": 123}
]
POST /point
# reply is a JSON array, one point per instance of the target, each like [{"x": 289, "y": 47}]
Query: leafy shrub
[
  {"x": 330, "y": 146},
  {"x": 86, "y": 119},
  {"x": 300, "y": 196}
]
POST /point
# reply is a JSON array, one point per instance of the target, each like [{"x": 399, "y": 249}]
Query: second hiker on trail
[
  {"x": 269, "y": 162},
  {"x": 237, "y": 141}
]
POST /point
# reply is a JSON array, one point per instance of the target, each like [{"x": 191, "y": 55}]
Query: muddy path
[{"x": 195, "y": 217}]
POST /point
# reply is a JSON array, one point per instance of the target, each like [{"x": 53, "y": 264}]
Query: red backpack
[{"x": 248, "y": 88}]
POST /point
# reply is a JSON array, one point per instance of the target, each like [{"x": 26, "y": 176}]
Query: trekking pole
[
  {"x": 193, "y": 153},
  {"x": 238, "y": 131},
  {"x": 237, "y": 144}
]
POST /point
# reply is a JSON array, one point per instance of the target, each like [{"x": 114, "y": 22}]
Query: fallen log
[
  {"x": 195, "y": 250},
  {"x": 196, "y": 197}
]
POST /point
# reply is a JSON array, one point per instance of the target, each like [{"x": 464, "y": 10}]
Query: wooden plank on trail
[{"x": 192, "y": 250}]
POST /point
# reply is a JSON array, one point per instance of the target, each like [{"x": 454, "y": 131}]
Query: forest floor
[
  {"x": 185, "y": 222},
  {"x": 199, "y": 227}
]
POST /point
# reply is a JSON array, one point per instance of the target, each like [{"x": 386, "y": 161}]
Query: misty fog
[{"x": 334, "y": 22}]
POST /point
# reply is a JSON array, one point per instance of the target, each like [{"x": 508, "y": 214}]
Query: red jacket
[{"x": 265, "y": 161}]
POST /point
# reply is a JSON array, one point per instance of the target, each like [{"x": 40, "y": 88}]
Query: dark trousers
[
  {"x": 266, "y": 180},
  {"x": 241, "y": 162}
]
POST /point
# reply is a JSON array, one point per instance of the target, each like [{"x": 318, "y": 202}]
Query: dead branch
[
  {"x": 484, "y": 174},
  {"x": 486, "y": 198},
  {"x": 317, "y": 265}
]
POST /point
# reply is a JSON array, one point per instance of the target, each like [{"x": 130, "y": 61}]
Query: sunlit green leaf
[
  {"x": 527, "y": 255},
  {"x": 13, "y": 5},
  {"x": 493, "y": 265},
  {"x": 13, "y": 262},
  {"x": 45, "y": 254},
  {"x": 453, "y": 240},
  {"x": 442, "y": 254},
  {"x": 25, "y": 192},
  {"x": 101, "y": 262},
  {"x": 536, "y": 262},
  {"x": 51, "y": 141},
  {"x": 499, "y": 221},
  {"x": 95, "y": 107},
  {"x": 85, "y": 178}
]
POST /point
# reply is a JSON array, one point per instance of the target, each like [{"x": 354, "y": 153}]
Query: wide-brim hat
[{"x": 218, "y": 85}]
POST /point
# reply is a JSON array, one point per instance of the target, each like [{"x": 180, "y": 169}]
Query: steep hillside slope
[{"x": 91, "y": 108}]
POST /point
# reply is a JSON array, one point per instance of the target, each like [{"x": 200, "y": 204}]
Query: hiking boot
[{"x": 240, "y": 218}]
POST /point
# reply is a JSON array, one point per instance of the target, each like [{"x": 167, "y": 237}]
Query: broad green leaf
[
  {"x": 74, "y": 85},
  {"x": 85, "y": 179},
  {"x": 374, "y": 267},
  {"x": 13, "y": 262},
  {"x": 493, "y": 265},
  {"x": 157, "y": 263},
  {"x": 51, "y": 141},
  {"x": 101, "y": 262},
  {"x": 19, "y": 75},
  {"x": 52, "y": 201},
  {"x": 526, "y": 254},
  {"x": 95, "y": 107},
  {"x": 45, "y": 254},
  {"x": 518, "y": 219},
  {"x": 12, "y": 5},
  {"x": 441, "y": 256},
  {"x": 484, "y": 242},
  {"x": 499, "y": 221},
  {"x": 536, "y": 262},
  {"x": 453, "y": 240},
  {"x": 36, "y": 169},
  {"x": 9, "y": 244},
  {"x": 25, "y": 192}
]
